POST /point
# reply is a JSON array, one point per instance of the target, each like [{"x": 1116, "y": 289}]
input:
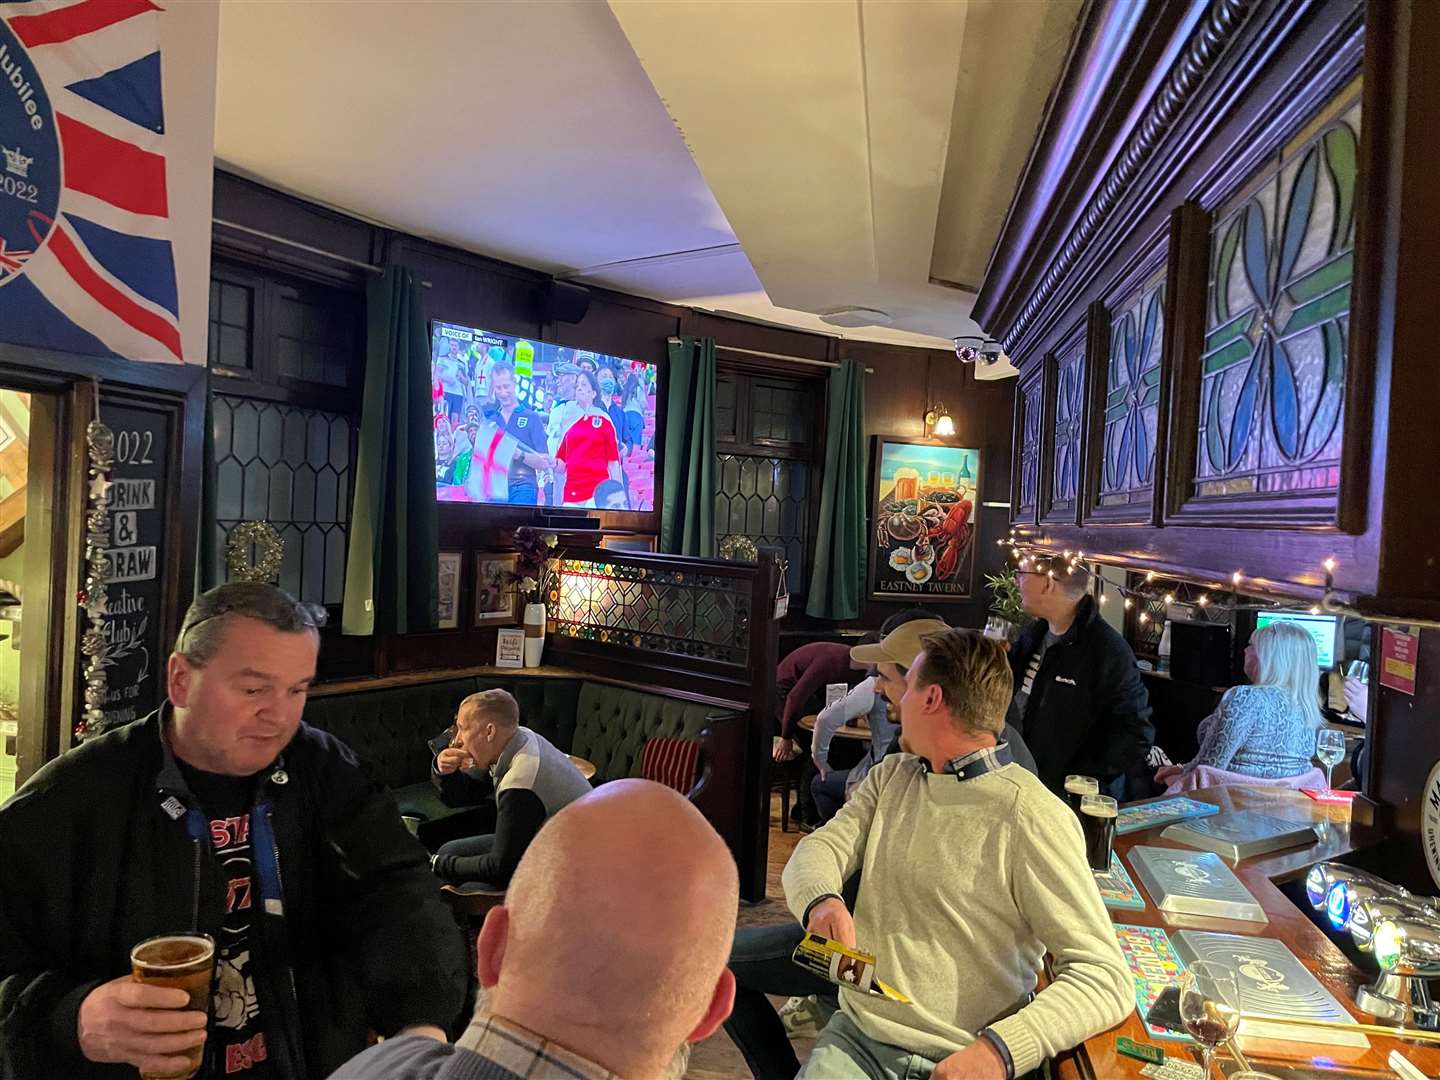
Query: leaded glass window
[
  {"x": 1031, "y": 399},
  {"x": 1068, "y": 425},
  {"x": 1278, "y": 314},
  {"x": 292, "y": 468},
  {"x": 1132, "y": 397},
  {"x": 768, "y": 500}
]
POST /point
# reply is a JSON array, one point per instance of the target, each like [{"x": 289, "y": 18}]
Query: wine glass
[
  {"x": 1330, "y": 749},
  {"x": 1209, "y": 1007}
]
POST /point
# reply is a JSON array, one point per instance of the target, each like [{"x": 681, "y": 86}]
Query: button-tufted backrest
[
  {"x": 389, "y": 728},
  {"x": 612, "y": 724}
]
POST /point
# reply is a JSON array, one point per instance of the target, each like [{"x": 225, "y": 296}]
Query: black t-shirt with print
[{"x": 236, "y": 1042}]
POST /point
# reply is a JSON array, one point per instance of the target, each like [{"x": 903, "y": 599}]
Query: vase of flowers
[{"x": 535, "y": 548}]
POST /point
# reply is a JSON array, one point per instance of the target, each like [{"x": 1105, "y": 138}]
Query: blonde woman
[{"x": 1266, "y": 730}]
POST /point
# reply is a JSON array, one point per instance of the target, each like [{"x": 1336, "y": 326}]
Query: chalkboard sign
[{"x": 134, "y": 653}]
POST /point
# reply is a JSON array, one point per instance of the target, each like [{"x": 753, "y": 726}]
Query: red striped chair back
[{"x": 671, "y": 761}]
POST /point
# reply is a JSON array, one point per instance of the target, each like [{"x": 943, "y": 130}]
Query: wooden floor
[{"x": 716, "y": 1058}]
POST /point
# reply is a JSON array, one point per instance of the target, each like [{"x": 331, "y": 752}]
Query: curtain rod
[
  {"x": 774, "y": 356},
  {"x": 369, "y": 268}
]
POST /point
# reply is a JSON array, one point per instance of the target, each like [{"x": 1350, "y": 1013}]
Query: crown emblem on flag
[{"x": 16, "y": 162}]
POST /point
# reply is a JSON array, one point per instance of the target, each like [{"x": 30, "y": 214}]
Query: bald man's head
[{"x": 616, "y": 928}]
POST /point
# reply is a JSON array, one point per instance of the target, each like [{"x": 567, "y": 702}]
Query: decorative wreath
[
  {"x": 738, "y": 548},
  {"x": 261, "y": 534}
]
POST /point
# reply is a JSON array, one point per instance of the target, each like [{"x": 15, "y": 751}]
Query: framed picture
[
  {"x": 923, "y": 515},
  {"x": 495, "y": 593},
  {"x": 449, "y": 578}
]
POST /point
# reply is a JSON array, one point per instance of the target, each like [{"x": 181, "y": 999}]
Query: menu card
[{"x": 1166, "y": 811}]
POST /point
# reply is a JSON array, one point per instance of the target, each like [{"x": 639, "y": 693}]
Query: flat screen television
[
  {"x": 1321, "y": 628},
  {"x": 527, "y": 423}
]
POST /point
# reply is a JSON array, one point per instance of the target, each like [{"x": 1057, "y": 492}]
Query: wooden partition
[{"x": 700, "y": 628}]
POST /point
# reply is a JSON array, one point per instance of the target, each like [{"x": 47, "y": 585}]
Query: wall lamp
[{"x": 938, "y": 422}]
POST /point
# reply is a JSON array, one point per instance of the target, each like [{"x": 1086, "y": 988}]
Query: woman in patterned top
[{"x": 1266, "y": 729}]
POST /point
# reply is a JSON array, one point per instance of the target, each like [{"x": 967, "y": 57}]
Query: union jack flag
[{"x": 86, "y": 263}]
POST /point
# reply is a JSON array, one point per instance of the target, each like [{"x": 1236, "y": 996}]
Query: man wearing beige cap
[{"x": 893, "y": 657}]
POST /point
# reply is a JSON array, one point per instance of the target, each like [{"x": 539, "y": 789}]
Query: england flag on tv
[{"x": 86, "y": 264}]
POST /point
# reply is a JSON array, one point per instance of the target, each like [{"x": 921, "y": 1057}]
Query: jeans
[
  {"x": 829, "y": 794},
  {"x": 524, "y": 493},
  {"x": 475, "y": 846},
  {"x": 761, "y": 962},
  {"x": 844, "y": 1052}
]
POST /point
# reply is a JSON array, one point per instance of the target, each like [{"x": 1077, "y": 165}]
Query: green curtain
[
  {"x": 390, "y": 569},
  {"x": 687, "y": 509},
  {"x": 837, "y": 584}
]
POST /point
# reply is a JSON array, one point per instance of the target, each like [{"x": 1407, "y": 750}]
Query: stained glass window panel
[
  {"x": 1278, "y": 314},
  {"x": 1069, "y": 422},
  {"x": 1132, "y": 397},
  {"x": 1030, "y": 420}
]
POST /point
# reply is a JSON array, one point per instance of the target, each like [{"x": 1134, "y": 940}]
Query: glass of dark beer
[
  {"x": 183, "y": 961},
  {"x": 1097, "y": 820},
  {"x": 1077, "y": 787}
]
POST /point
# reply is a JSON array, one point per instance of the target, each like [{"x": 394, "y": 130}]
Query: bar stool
[{"x": 785, "y": 777}]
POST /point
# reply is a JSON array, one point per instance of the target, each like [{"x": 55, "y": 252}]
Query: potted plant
[
  {"x": 535, "y": 548},
  {"x": 1007, "y": 613}
]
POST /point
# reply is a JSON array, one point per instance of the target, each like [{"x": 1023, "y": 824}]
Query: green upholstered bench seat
[{"x": 389, "y": 728}]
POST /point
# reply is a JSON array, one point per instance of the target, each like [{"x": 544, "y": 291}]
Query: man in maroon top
[{"x": 800, "y": 683}]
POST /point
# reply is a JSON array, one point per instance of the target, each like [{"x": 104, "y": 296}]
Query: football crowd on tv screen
[{"x": 532, "y": 424}]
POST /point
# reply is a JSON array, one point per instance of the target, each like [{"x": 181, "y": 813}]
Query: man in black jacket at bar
[
  {"x": 1079, "y": 700},
  {"x": 220, "y": 814}
]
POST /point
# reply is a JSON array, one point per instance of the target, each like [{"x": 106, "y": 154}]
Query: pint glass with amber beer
[{"x": 185, "y": 962}]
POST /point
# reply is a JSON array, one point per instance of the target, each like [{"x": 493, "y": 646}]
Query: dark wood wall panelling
[
  {"x": 1275, "y": 63},
  {"x": 1089, "y": 213},
  {"x": 474, "y": 290}
]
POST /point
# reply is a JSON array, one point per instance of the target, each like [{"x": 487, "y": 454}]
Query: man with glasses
[
  {"x": 222, "y": 814},
  {"x": 1078, "y": 696}
]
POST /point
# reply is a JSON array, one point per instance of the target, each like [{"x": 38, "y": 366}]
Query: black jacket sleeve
[
  {"x": 40, "y": 994},
  {"x": 1123, "y": 704},
  {"x": 461, "y": 787},
  {"x": 410, "y": 957},
  {"x": 519, "y": 815}
]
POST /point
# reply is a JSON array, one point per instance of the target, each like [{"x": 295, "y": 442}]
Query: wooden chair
[{"x": 786, "y": 777}]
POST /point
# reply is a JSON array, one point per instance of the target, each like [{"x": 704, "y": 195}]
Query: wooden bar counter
[{"x": 1261, "y": 875}]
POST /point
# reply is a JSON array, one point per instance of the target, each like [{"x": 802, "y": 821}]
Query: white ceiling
[{"x": 826, "y": 132}]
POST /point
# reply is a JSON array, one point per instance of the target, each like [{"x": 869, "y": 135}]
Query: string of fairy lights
[{"x": 1216, "y": 599}]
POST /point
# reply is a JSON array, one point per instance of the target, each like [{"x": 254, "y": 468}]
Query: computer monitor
[{"x": 1321, "y": 628}]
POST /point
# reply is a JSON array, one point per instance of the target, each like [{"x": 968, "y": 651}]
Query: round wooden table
[
  {"x": 587, "y": 768},
  {"x": 844, "y": 731}
]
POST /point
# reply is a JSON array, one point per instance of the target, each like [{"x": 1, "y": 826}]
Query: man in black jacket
[
  {"x": 1079, "y": 700},
  {"x": 220, "y": 814}
]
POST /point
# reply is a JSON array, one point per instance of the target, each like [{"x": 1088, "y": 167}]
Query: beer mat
[
  {"x": 845, "y": 967},
  {"x": 1174, "y": 1069},
  {"x": 1194, "y": 883},
  {"x": 1241, "y": 834},
  {"x": 1165, "y": 812},
  {"x": 1329, "y": 795},
  {"x": 1117, "y": 890},
  {"x": 1272, "y": 982},
  {"x": 1154, "y": 964}
]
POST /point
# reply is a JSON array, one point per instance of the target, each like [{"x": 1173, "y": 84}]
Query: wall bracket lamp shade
[{"x": 938, "y": 421}]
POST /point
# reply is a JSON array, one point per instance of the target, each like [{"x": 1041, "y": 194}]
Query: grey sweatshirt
[{"x": 966, "y": 885}]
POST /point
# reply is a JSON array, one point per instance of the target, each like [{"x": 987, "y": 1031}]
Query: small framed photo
[
  {"x": 449, "y": 579},
  {"x": 510, "y": 647},
  {"x": 495, "y": 595}
]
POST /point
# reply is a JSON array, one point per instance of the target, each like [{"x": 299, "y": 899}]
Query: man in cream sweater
[{"x": 972, "y": 871}]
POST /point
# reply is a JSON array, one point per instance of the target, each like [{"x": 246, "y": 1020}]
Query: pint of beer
[
  {"x": 1077, "y": 787},
  {"x": 1097, "y": 821},
  {"x": 186, "y": 962}
]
